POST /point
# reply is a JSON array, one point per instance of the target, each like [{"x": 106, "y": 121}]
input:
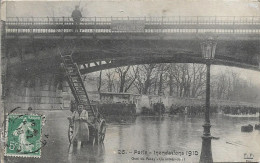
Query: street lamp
[{"x": 208, "y": 48}]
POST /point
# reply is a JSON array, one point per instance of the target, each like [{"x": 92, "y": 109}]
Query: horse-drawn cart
[{"x": 96, "y": 124}]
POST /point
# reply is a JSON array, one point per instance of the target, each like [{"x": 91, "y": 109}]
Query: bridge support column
[{"x": 41, "y": 92}]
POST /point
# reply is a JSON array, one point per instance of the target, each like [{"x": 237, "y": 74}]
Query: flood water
[{"x": 145, "y": 137}]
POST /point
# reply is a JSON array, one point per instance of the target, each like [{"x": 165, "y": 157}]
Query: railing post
[
  {"x": 111, "y": 24},
  {"x": 215, "y": 23},
  {"x": 17, "y": 24},
  {"x": 234, "y": 19},
  {"x": 48, "y": 24},
  {"x": 95, "y": 26},
  {"x": 144, "y": 23},
  {"x": 150, "y": 18},
  {"x": 162, "y": 25},
  {"x": 32, "y": 27},
  {"x": 128, "y": 20},
  {"x": 197, "y": 28},
  {"x": 179, "y": 23},
  {"x": 3, "y": 32},
  {"x": 63, "y": 26}
]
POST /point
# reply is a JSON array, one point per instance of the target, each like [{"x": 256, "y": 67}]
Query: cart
[
  {"x": 97, "y": 129},
  {"x": 96, "y": 122}
]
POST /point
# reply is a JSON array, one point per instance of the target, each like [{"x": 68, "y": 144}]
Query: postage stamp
[{"x": 23, "y": 135}]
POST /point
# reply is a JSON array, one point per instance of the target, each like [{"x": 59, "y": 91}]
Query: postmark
[{"x": 23, "y": 135}]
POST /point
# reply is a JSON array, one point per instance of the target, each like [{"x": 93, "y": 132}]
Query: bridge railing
[
  {"x": 175, "y": 24},
  {"x": 149, "y": 20}
]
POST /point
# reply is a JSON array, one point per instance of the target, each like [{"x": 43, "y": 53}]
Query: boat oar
[
  {"x": 236, "y": 144},
  {"x": 231, "y": 143}
]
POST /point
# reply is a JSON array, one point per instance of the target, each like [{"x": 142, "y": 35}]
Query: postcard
[{"x": 130, "y": 81}]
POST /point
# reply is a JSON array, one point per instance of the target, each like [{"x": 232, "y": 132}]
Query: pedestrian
[
  {"x": 81, "y": 130},
  {"x": 76, "y": 16}
]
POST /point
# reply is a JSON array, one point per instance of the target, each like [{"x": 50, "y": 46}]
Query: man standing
[
  {"x": 76, "y": 16},
  {"x": 81, "y": 130}
]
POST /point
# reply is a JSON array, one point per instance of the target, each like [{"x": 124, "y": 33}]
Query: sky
[
  {"x": 137, "y": 8},
  {"x": 134, "y": 8}
]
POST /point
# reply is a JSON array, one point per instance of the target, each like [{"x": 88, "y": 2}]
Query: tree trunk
[
  {"x": 122, "y": 85},
  {"x": 160, "y": 84},
  {"x": 171, "y": 85},
  {"x": 100, "y": 81}
]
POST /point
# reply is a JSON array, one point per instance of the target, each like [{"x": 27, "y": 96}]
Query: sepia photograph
[{"x": 130, "y": 81}]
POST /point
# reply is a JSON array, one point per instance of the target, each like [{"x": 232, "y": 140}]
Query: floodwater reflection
[
  {"x": 182, "y": 134},
  {"x": 151, "y": 134},
  {"x": 88, "y": 154}
]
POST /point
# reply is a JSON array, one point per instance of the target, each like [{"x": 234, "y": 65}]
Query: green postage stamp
[{"x": 23, "y": 135}]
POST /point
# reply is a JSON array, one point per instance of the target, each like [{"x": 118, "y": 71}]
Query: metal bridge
[
  {"x": 224, "y": 27},
  {"x": 107, "y": 42}
]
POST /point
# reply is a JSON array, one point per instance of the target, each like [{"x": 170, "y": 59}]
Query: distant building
[{"x": 110, "y": 97}]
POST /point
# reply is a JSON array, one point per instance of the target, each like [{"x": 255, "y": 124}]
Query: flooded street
[{"x": 166, "y": 139}]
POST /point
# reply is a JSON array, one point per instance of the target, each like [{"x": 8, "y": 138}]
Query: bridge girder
[{"x": 94, "y": 55}]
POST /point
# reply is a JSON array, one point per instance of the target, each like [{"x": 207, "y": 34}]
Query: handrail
[
  {"x": 177, "y": 19},
  {"x": 163, "y": 24}
]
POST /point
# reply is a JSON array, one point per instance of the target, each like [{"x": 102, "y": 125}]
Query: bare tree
[
  {"x": 145, "y": 78},
  {"x": 134, "y": 74},
  {"x": 198, "y": 80},
  {"x": 220, "y": 86},
  {"x": 148, "y": 77},
  {"x": 182, "y": 80},
  {"x": 122, "y": 72},
  {"x": 229, "y": 85},
  {"x": 99, "y": 81},
  {"x": 162, "y": 69},
  {"x": 110, "y": 80},
  {"x": 186, "y": 80}
]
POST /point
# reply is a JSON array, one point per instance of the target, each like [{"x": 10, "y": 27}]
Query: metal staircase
[{"x": 76, "y": 84}]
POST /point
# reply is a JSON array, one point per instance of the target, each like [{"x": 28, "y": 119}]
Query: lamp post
[{"x": 208, "y": 48}]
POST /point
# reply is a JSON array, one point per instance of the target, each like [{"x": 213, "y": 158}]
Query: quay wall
[{"x": 42, "y": 92}]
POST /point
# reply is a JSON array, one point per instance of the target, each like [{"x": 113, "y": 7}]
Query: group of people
[
  {"x": 156, "y": 108},
  {"x": 159, "y": 108},
  {"x": 237, "y": 110},
  {"x": 195, "y": 109}
]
